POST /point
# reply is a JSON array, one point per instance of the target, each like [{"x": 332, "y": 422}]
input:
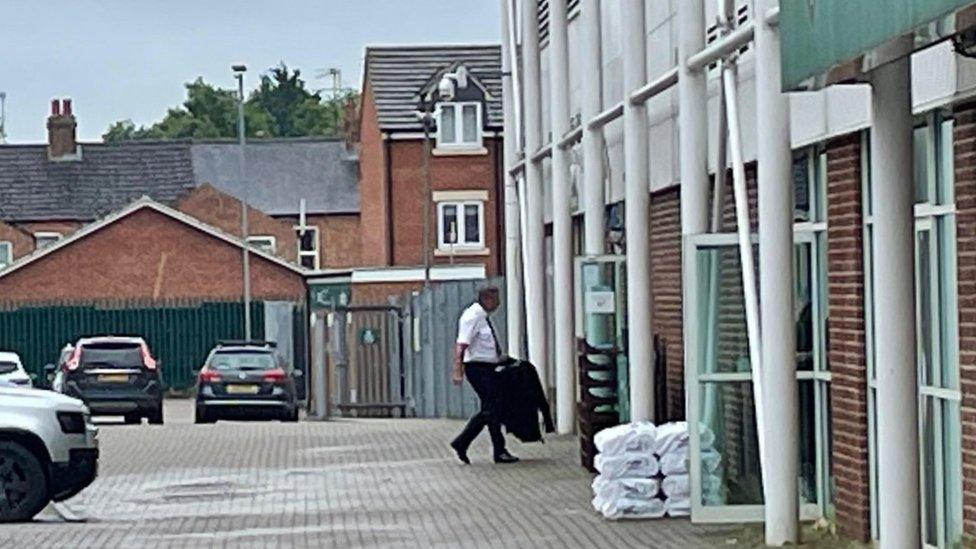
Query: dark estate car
[
  {"x": 113, "y": 375},
  {"x": 246, "y": 380}
]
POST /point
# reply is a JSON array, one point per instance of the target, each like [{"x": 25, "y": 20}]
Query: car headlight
[{"x": 72, "y": 422}]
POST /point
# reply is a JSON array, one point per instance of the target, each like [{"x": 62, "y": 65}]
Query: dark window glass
[
  {"x": 449, "y": 227},
  {"x": 472, "y": 224}
]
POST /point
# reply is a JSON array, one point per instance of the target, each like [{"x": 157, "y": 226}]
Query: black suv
[
  {"x": 114, "y": 375},
  {"x": 246, "y": 380}
]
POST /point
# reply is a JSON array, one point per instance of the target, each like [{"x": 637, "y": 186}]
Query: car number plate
[
  {"x": 113, "y": 378},
  {"x": 242, "y": 389}
]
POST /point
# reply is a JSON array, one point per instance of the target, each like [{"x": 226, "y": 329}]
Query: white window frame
[
  {"x": 6, "y": 245},
  {"x": 461, "y": 244},
  {"x": 40, "y": 235},
  {"x": 308, "y": 253},
  {"x": 272, "y": 243},
  {"x": 459, "y": 143}
]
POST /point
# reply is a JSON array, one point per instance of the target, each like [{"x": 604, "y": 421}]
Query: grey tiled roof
[
  {"x": 282, "y": 171},
  {"x": 106, "y": 178},
  {"x": 398, "y": 73}
]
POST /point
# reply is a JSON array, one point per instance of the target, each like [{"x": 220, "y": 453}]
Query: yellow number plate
[
  {"x": 113, "y": 378},
  {"x": 242, "y": 389}
]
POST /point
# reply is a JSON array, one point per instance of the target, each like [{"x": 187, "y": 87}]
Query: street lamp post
[{"x": 239, "y": 71}]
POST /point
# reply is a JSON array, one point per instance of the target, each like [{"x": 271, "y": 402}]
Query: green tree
[{"x": 281, "y": 106}]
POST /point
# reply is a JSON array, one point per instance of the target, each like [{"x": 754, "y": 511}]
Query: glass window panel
[
  {"x": 921, "y": 145},
  {"x": 307, "y": 240},
  {"x": 947, "y": 176},
  {"x": 801, "y": 188},
  {"x": 923, "y": 286},
  {"x": 472, "y": 224},
  {"x": 308, "y": 261},
  {"x": 952, "y": 442},
  {"x": 449, "y": 226},
  {"x": 6, "y": 254},
  {"x": 448, "y": 127},
  {"x": 929, "y": 490},
  {"x": 820, "y": 187},
  {"x": 728, "y": 430},
  {"x": 724, "y": 342},
  {"x": 823, "y": 312},
  {"x": 808, "y": 441},
  {"x": 948, "y": 288},
  {"x": 470, "y": 123},
  {"x": 803, "y": 306},
  {"x": 869, "y": 300}
]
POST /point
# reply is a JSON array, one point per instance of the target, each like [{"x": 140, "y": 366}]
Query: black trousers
[{"x": 483, "y": 378}]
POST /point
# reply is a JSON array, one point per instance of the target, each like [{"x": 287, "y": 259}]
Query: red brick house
[{"x": 465, "y": 209}]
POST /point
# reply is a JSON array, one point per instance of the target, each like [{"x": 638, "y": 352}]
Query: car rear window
[
  {"x": 8, "y": 367},
  {"x": 118, "y": 355},
  {"x": 243, "y": 360}
]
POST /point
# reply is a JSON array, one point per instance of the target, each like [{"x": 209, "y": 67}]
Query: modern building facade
[{"x": 758, "y": 235}]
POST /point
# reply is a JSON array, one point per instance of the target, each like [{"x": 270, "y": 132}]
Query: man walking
[{"x": 476, "y": 357}]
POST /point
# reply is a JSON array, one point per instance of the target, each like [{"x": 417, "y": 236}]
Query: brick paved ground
[{"x": 347, "y": 483}]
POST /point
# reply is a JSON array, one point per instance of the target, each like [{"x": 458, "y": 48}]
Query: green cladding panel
[
  {"x": 179, "y": 334},
  {"x": 818, "y": 35}
]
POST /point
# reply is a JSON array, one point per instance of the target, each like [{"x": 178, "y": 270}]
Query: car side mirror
[{"x": 297, "y": 373}]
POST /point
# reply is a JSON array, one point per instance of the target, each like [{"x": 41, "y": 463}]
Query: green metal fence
[{"x": 179, "y": 333}]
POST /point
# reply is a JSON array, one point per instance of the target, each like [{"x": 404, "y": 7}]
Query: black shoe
[
  {"x": 462, "y": 453},
  {"x": 505, "y": 457}
]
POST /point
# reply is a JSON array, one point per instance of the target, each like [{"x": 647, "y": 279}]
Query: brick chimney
[{"x": 61, "y": 127}]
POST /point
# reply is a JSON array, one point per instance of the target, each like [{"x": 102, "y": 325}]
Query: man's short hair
[{"x": 487, "y": 291}]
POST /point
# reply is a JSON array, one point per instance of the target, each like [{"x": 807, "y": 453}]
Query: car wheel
[
  {"x": 291, "y": 417},
  {"x": 133, "y": 419},
  {"x": 156, "y": 416},
  {"x": 201, "y": 416},
  {"x": 24, "y": 491}
]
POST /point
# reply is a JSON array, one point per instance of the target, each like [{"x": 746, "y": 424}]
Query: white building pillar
[
  {"x": 534, "y": 250},
  {"x": 562, "y": 221},
  {"x": 515, "y": 312},
  {"x": 594, "y": 202},
  {"x": 637, "y": 213},
  {"x": 777, "y": 325},
  {"x": 692, "y": 124},
  {"x": 894, "y": 305}
]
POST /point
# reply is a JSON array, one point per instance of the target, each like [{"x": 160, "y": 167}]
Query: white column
[
  {"x": 692, "y": 122},
  {"x": 320, "y": 385},
  {"x": 777, "y": 325},
  {"x": 562, "y": 221},
  {"x": 894, "y": 306},
  {"x": 637, "y": 213},
  {"x": 534, "y": 251},
  {"x": 593, "y": 172},
  {"x": 515, "y": 312}
]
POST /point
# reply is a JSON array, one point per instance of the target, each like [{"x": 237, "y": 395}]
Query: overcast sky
[{"x": 121, "y": 59}]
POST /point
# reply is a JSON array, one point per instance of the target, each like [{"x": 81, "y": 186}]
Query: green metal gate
[{"x": 180, "y": 333}]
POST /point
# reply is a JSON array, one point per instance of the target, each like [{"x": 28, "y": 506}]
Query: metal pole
[
  {"x": 894, "y": 302},
  {"x": 637, "y": 213},
  {"x": 562, "y": 222},
  {"x": 534, "y": 256},
  {"x": 746, "y": 256},
  {"x": 775, "y": 159},
  {"x": 246, "y": 264},
  {"x": 513, "y": 242},
  {"x": 592, "y": 142},
  {"x": 427, "y": 196},
  {"x": 319, "y": 371}
]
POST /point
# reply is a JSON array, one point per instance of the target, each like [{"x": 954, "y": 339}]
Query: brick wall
[
  {"x": 847, "y": 352},
  {"x": 147, "y": 255},
  {"x": 223, "y": 211},
  {"x": 372, "y": 185},
  {"x": 666, "y": 283},
  {"x": 21, "y": 240},
  {"x": 447, "y": 173},
  {"x": 965, "y": 171}
]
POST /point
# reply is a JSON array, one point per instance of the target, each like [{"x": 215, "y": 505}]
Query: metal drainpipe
[
  {"x": 562, "y": 222},
  {"x": 637, "y": 210},
  {"x": 894, "y": 302},
  {"x": 534, "y": 258}
]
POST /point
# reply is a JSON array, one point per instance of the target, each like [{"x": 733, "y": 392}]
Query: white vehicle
[
  {"x": 12, "y": 370},
  {"x": 48, "y": 450}
]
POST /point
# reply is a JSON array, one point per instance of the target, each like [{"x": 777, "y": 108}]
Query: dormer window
[{"x": 459, "y": 125}]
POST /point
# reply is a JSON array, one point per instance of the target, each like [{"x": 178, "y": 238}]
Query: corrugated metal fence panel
[
  {"x": 180, "y": 333},
  {"x": 435, "y": 312}
]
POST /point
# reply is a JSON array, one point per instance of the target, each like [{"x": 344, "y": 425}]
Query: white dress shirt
[{"x": 475, "y": 332}]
